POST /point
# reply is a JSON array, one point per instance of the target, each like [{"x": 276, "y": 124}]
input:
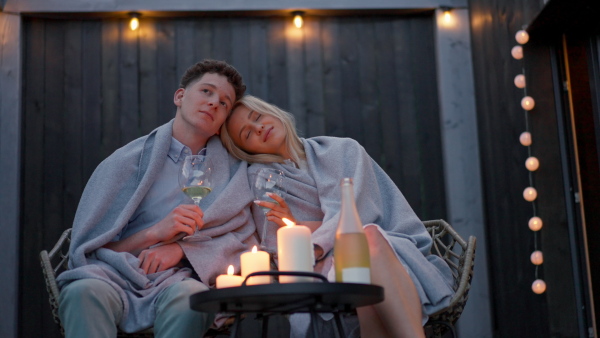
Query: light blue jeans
[{"x": 93, "y": 308}]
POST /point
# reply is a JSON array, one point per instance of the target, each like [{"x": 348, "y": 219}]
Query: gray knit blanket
[
  {"x": 111, "y": 197},
  {"x": 314, "y": 195}
]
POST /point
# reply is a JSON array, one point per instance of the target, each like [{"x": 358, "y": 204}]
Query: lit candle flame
[
  {"x": 254, "y": 249},
  {"x": 230, "y": 270},
  {"x": 288, "y": 222}
]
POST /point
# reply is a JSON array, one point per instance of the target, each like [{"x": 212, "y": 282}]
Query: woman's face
[{"x": 257, "y": 133}]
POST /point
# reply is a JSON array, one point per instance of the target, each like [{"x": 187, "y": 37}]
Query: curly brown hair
[{"x": 195, "y": 73}]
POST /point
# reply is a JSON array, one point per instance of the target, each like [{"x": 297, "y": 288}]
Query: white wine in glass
[{"x": 195, "y": 178}]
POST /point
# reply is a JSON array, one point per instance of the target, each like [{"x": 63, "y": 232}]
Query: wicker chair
[
  {"x": 460, "y": 259},
  {"x": 444, "y": 240}
]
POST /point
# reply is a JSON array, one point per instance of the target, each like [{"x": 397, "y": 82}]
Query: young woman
[{"x": 416, "y": 283}]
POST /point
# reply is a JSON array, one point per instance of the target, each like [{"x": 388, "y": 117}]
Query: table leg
[
  {"x": 265, "y": 326},
  {"x": 338, "y": 323},
  {"x": 236, "y": 323},
  {"x": 313, "y": 323}
]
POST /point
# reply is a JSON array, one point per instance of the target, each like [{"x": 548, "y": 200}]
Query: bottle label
[{"x": 356, "y": 275}]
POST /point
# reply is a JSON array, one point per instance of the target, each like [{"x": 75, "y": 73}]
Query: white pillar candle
[
  {"x": 294, "y": 251},
  {"x": 255, "y": 261},
  {"x": 229, "y": 280}
]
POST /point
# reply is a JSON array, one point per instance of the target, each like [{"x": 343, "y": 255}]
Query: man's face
[{"x": 205, "y": 104}]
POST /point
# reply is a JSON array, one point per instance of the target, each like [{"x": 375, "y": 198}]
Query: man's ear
[{"x": 178, "y": 96}]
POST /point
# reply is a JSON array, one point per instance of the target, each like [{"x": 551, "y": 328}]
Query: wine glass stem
[{"x": 263, "y": 236}]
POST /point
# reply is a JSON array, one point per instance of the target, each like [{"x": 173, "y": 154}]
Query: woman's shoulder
[{"x": 332, "y": 143}]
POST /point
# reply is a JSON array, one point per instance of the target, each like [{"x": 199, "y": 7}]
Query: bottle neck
[{"x": 349, "y": 218}]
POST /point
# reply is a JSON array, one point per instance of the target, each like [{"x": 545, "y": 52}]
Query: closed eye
[{"x": 258, "y": 117}]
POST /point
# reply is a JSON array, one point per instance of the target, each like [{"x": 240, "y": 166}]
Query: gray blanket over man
[
  {"x": 112, "y": 195},
  {"x": 314, "y": 194}
]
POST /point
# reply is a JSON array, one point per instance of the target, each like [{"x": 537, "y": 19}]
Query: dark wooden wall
[
  {"x": 518, "y": 312},
  {"x": 91, "y": 86}
]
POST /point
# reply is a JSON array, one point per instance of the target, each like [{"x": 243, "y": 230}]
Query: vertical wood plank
[
  {"x": 91, "y": 62},
  {"x": 427, "y": 108},
  {"x": 149, "y": 98},
  {"x": 203, "y": 39},
  {"x": 241, "y": 49},
  {"x": 407, "y": 147},
  {"x": 73, "y": 126},
  {"x": 277, "y": 77},
  {"x": 332, "y": 92},
  {"x": 368, "y": 85},
  {"x": 295, "y": 74},
  {"x": 33, "y": 187},
  {"x": 129, "y": 94},
  {"x": 168, "y": 81},
  {"x": 259, "y": 59},
  {"x": 52, "y": 150},
  {"x": 351, "y": 122},
  {"x": 184, "y": 46},
  {"x": 313, "y": 78},
  {"x": 221, "y": 39},
  {"x": 110, "y": 88},
  {"x": 388, "y": 94}
]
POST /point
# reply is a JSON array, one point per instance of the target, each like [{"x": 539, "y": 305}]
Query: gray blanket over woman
[
  {"x": 111, "y": 197},
  {"x": 314, "y": 194}
]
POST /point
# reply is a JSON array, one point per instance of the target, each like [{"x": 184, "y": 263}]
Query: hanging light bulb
[
  {"x": 537, "y": 258},
  {"x": 528, "y": 103},
  {"x": 535, "y": 223},
  {"x": 530, "y": 194},
  {"x": 517, "y": 52},
  {"x": 532, "y": 163},
  {"x": 134, "y": 23},
  {"x": 298, "y": 19},
  {"x": 538, "y": 286},
  {"x": 520, "y": 81},
  {"x": 525, "y": 138},
  {"x": 522, "y": 37}
]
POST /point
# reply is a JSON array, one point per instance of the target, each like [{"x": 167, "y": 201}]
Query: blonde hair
[{"x": 292, "y": 140}]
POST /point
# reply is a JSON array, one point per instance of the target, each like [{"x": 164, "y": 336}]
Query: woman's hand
[{"x": 278, "y": 210}]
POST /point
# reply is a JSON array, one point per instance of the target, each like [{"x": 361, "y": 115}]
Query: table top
[{"x": 288, "y": 298}]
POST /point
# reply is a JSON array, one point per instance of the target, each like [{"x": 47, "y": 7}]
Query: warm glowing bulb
[
  {"x": 525, "y": 138},
  {"x": 134, "y": 23},
  {"x": 530, "y": 194},
  {"x": 298, "y": 21},
  {"x": 535, "y": 223},
  {"x": 517, "y": 52},
  {"x": 532, "y": 163},
  {"x": 520, "y": 81},
  {"x": 538, "y": 286},
  {"x": 537, "y": 257},
  {"x": 522, "y": 37},
  {"x": 527, "y": 103},
  {"x": 447, "y": 17},
  {"x": 230, "y": 270}
]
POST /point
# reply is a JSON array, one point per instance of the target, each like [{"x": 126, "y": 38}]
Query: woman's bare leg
[{"x": 400, "y": 312}]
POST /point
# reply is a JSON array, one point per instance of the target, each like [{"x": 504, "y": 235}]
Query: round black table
[{"x": 288, "y": 298}]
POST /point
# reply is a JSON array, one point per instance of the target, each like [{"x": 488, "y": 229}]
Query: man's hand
[
  {"x": 160, "y": 258},
  {"x": 184, "y": 218}
]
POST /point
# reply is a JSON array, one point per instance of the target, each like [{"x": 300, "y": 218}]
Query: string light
[
  {"x": 531, "y": 163},
  {"x": 535, "y": 223}
]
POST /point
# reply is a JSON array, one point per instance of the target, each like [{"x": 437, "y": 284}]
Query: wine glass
[
  {"x": 267, "y": 180},
  {"x": 195, "y": 179}
]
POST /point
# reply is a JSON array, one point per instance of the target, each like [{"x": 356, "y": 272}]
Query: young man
[{"x": 119, "y": 276}]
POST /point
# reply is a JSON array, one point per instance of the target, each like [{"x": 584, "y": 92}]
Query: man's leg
[
  {"x": 174, "y": 317},
  {"x": 90, "y": 308}
]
